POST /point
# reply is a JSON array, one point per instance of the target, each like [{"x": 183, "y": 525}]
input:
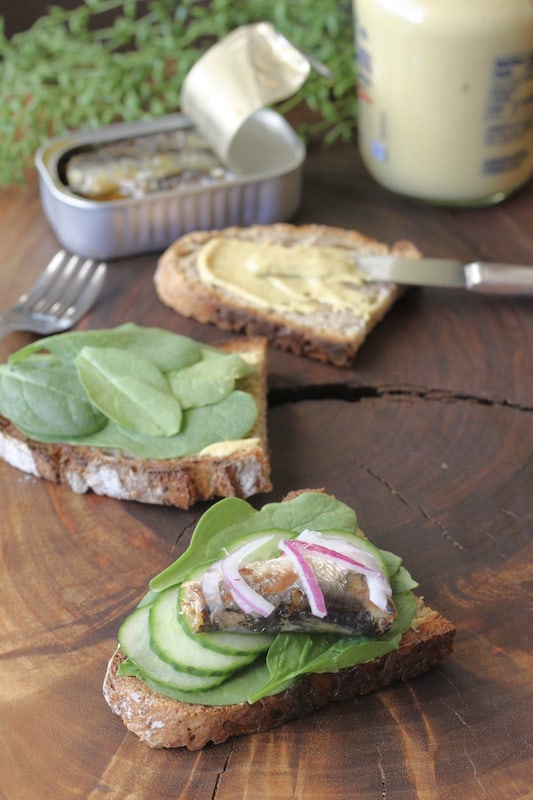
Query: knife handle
[{"x": 491, "y": 278}]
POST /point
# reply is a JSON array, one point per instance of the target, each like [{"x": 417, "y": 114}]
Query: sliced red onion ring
[
  {"x": 340, "y": 545},
  {"x": 379, "y": 590},
  {"x": 334, "y": 555},
  {"x": 248, "y": 600},
  {"x": 313, "y": 592}
]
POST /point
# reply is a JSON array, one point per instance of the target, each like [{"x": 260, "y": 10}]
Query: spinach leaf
[
  {"x": 292, "y": 655},
  {"x": 233, "y": 691},
  {"x": 130, "y": 391},
  {"x": 230, "y": 519},
  {"x": 402, "y": 581},
  {"x": 207, "y": 381},
  {"x": 231, "y": 419},
  {"x": 204, "y": 545},
  {"x": 49, "y": 400},
  {"x": 234, "y": 363},
  {"x": 168, "y": 351},
  {"x": 315, "y": 510},
  {"x": 392, "y": 562},
  {"x": 200, "y": 385}
]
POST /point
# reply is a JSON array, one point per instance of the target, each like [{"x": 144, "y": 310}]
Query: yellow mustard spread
[
  {"x": 228, "y": 448},
  {"x": 301, "y": 278}
]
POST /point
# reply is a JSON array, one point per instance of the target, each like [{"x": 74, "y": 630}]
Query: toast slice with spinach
[{"x": 138, "y": 414}]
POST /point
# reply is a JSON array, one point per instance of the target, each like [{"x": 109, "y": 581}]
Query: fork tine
[
  {"x": 45, "y": 280},
  {"x": 88, "y": 291},
  {"x": 61, "y": 289},
  {"x": 63, "y": 294},
  {"x": 65, "y": 288}
]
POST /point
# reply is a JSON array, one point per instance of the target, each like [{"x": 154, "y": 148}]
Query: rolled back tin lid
[{"x": 248, "y": 69}]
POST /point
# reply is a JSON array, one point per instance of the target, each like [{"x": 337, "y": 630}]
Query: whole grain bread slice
[
  {"x": 327, "y": 334},
  {"x": 161, "y": 721},
  {"x": 242, "y": 471}
]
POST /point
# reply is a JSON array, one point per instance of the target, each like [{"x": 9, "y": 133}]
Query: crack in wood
[
  {"x": 278, "y": 396},
  {"x": 185, "y": 533},
  {"x": 223, "y": 770},
  {"x": 475, "y": 772},
  {"x": 442, "y": 529},
  {"x": 382, "y": 774},
  {"x": 410, "y": 505}
]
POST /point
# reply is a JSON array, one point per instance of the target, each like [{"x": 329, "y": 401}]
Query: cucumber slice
[
  {"x": 173, "y": 645},
  {"x": 233, "y": 643},
  {"x": 134, "y": 639}
]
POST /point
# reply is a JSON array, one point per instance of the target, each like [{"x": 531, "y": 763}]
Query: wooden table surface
[{"x": 429, "y": 437}]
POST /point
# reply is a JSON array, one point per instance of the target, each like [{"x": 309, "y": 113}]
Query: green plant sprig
[{"x": 76, "y": 69}]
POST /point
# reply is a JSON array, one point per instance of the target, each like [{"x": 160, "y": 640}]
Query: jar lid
[{"x": 243, "y": 72}]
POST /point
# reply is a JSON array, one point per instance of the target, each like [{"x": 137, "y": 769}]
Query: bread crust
[
  {"x": 179, "y": 482},
  {"x": 331, "y": 336},
  {"x": 162, "y": 722}
]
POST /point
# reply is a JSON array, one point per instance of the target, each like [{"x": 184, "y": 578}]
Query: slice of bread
[
  {"x": 328, "y": 334},
  {"x": 161, "y": 721},
  {"x": 235, "y": 469}
]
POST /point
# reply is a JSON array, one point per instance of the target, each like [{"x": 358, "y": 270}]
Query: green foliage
[{"x": 110, "y": 60}]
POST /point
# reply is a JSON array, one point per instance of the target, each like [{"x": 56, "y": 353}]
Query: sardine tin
[
  {"x": 265, "y": 187},
  {"x": 224, "y": 97}
]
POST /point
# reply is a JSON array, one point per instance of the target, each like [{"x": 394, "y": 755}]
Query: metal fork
[{"x": 62, "y": 295}]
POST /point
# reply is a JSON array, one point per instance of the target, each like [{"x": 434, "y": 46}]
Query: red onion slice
[
  {"x": 334, "y": 555},
  {"x": 340, "y": 545},
  {"x": 379, "y": 590},
  {"x": 248, "y": 600},
  {"x": 313, "y": 592}
]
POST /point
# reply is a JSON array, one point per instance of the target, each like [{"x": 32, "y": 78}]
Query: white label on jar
[{"x": 509, "y": 110}]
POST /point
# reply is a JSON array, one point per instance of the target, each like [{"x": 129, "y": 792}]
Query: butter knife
[{"x": 479, "y": 276}]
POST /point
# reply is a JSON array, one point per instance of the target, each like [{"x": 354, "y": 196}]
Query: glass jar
[{"x": 445, "y": 93}]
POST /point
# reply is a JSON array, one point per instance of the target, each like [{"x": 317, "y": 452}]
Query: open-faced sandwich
[
  {"x": 299, "y": 286},
  {"x": 138, "y": 414},
  {"x": 267, "y": 616}
]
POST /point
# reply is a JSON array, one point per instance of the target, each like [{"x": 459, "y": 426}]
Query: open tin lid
[{"x": 248, "y": 69}]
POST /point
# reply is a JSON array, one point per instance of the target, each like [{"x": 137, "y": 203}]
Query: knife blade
[{"x": 477, "y": 276}]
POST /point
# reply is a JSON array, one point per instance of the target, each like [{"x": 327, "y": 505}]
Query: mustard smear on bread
[
  {"x": 227, "y": 667},
  {"x": 299, "y": 277},
  {"x": 145, "y": 391}
]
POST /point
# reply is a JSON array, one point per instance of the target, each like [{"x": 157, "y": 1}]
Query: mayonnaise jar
[{"x": 445, "y": 93}]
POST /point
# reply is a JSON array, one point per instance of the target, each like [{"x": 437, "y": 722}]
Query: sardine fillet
[{"x": 349, "y": 610}]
